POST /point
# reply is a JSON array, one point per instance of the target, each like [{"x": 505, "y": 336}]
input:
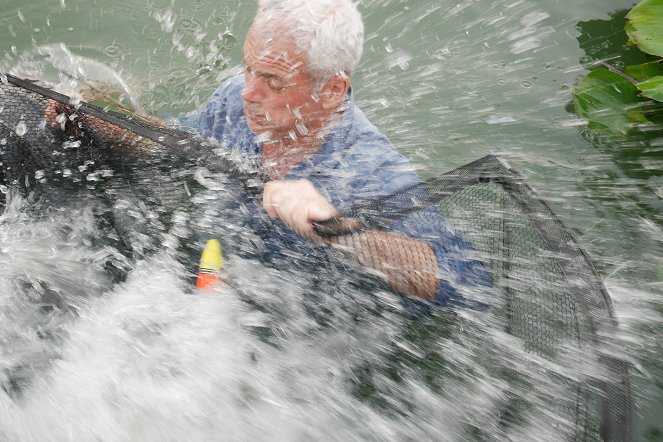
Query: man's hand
[{"x": 298, "y": 204}]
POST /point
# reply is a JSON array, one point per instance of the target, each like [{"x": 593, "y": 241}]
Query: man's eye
[{"x": 276, "y": 84}]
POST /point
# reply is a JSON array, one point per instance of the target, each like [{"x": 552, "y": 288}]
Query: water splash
[
  {"x": 21, "y": 129},
  {"x": 257, "y": 364}
]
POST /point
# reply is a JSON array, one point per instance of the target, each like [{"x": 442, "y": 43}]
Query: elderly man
[{"x": 293, "y": 112}]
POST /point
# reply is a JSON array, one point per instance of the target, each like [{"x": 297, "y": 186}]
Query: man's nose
[{"x": 252, "y": 91}]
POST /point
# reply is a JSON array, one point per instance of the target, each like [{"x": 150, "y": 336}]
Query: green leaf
[
  {"x": 645, "y": 26},
  {"x": 604, "y": 40},
  {"x": 608, "y": 101},
  {"x": 652, "y": 88},
  {"x": 645, "y": 71}
]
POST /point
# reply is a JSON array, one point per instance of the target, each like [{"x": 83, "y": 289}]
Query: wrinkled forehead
[{"x": 269, "y": 45}]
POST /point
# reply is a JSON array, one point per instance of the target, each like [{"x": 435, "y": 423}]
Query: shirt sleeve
[
  {"x": 464, "y": 277},
  {"x": 211, "y": 118}
]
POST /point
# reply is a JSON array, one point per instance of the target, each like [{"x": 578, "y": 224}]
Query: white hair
[{"x": 329, "y": 32}]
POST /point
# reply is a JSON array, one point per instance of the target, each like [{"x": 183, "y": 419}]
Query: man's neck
[
  {"x": 285, "y": 153},
  {"x": 281, "y": 156}
]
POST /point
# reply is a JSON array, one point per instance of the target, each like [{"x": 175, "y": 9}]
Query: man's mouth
[{"x": 259, "y": 118}]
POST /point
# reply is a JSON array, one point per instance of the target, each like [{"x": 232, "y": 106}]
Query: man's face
[{"x": 278, "y": 92}]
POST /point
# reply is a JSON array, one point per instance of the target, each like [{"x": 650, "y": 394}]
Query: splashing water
[
  {"x": 286, "y": 355},
  {"x": 21, "y": 129},
  {"x": 276, "y": 355}
]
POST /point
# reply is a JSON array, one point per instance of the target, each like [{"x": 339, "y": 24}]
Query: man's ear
[{"x": 333, "y": 92}]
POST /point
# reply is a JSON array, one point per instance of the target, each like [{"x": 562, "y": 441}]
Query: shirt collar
[{"x": 334, "y": 143}]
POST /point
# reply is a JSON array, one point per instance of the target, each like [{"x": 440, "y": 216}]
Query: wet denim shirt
[{"x": 356, "y": 165}]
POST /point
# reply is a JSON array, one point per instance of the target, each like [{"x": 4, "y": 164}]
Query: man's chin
[{"x": 256, "y": 128}]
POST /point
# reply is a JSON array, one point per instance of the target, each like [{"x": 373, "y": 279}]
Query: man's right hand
[{"x": 298, "y": 204}]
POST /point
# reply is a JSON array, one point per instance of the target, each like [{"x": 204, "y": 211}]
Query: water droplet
[
  {"x": 61, "y": 119},
  {"x": 75, "y": 102},
  {"x": 4, "y": 189},
  {"x": 112, "y": 51},
  {"x": 21, "y": 128},
  {"x": 525, "y": 84},
  {"x": 500, "y": 119},
  {"x": 177, "y": 38},
  {"x": 3, "y": 141},
  {"x": 39, "y": 174},
  {"x": 501, "y": 81},
  {"x": 71, "y": 144},
  {"x": 220, "y": 19},
  {"x": 301, "y": 128},
  {"x": 199, "y": 36},
  {"x": 167, "y": 20},
  {"x": 188, "y": 25},
  {"x": 228, "y": 41}
]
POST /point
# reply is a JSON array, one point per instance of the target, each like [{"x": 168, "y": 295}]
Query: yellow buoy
[{"x": 211, "y": 262}]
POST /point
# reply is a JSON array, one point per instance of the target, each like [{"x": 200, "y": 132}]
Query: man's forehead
[{"x": 271, "y": 48}]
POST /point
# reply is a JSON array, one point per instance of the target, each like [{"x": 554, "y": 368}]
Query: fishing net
[
  {"x": 545, "y": 290},
  {"x": 60, "y": 141},
  {"x": 548, "y": 293}
]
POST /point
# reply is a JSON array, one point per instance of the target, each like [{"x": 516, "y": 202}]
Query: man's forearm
[{"x": 410, "y": 265}]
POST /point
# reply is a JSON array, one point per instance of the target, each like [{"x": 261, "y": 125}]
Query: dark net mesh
[
  {"x": 546, "y": 291},
  {"x": 48, "y": 140},
  {"x": 482, "y": 218}
]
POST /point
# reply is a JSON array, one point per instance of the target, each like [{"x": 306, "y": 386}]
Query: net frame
[{"x": 611, "y": 395}]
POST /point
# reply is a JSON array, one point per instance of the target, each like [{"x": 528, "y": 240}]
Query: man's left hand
[{"x": 298, "y": 204}]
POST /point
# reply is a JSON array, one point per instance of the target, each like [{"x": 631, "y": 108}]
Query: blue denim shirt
[{"x": 356, "y": 165}]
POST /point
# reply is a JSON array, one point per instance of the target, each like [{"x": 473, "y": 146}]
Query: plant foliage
[{"x": 616, "y": 96}]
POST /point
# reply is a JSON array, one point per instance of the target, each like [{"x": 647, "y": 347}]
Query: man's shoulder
[
  {"x": 222, "y": 117},
  {"x": 226, "y": 102},
  {"x": 366, "y": 141},
  {"x": 366, "y": 163},
  {"x": 229, "y": 91}
]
